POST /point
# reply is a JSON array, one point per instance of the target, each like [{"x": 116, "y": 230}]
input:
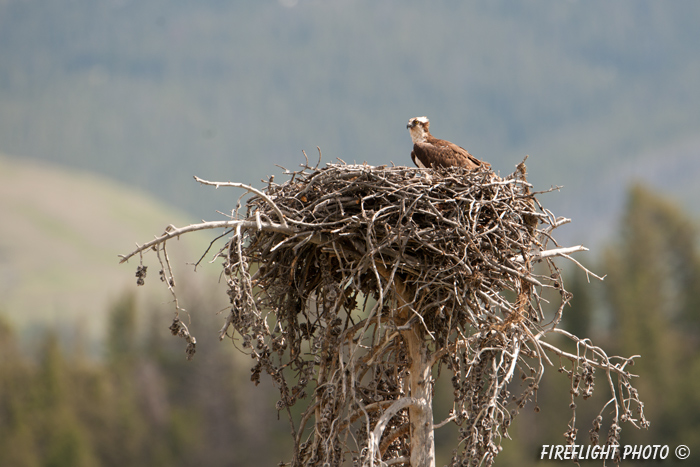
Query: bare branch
[
  {"x": 174, "y": 232},
  {"x": 538, "y": 255},
  {"x": 251, "y": 189}
]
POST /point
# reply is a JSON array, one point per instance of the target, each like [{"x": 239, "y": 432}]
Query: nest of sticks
[
  {"x": 339, "y": 274},
  {"x": 452, "y": 242}
]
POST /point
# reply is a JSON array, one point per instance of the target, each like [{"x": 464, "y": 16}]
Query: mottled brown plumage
[{"x": 429, "y": 151}]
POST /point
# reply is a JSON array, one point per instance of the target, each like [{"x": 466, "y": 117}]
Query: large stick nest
[
  {"x": 452, "y": 241},
  {"x": 350, "y": 283},
  {"x": 347, "y": 280}
]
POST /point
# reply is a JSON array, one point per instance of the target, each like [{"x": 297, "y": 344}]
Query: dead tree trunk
[{"x": 420, "y": 389}]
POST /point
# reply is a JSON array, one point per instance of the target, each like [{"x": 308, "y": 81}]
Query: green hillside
[{"x": 60, "y": 235}]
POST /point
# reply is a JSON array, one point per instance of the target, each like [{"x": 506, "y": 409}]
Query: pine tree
[
  {"x": 18, "y": 443},
  {"x": 63, "y": 440},
  {"x": 652, "y": 288}
]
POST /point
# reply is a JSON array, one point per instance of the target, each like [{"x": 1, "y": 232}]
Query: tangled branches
[{"x": 348, "y": 284}]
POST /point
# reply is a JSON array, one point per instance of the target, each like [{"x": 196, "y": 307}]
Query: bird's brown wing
[
  {"x": 419, "y": 163},
  {"x": 467, "y": 155},
  {"x": 444, "y": 154}
]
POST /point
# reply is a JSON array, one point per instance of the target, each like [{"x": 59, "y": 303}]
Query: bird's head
[{"x": 418, "y": 127}]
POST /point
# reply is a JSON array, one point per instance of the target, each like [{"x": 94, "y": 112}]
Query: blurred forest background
[{"x": 108, "y": 108}]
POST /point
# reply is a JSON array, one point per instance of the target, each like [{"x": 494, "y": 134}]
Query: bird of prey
[{"x": 429, "y": 151}]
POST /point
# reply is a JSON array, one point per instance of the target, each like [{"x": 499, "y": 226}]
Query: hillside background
[
  {"x": 153, "y": 92},
  {"x": 108, "y": 108}
]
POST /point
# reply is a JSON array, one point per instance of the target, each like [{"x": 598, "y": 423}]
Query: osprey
[{"x": 429, "y": 151}]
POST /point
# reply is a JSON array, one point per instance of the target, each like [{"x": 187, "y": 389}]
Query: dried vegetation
[{"x": 350, "y": 284}]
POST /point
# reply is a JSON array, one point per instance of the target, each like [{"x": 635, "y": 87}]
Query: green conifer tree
[
  {"x": 18, "y": 443},
  {"x": 652, "y": 289}
]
